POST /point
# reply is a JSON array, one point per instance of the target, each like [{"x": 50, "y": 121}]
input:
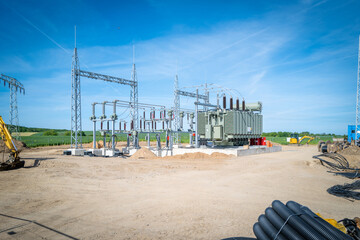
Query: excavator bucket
[{"x": 10, "y": 166}]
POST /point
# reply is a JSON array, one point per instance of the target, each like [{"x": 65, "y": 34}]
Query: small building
[{"x": 351, "y": 132}]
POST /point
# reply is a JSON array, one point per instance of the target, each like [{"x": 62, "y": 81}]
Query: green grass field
[{"x": 38, "y": 139}]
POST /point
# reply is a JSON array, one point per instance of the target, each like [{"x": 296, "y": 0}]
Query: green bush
[{"x": 50, "y": 133}]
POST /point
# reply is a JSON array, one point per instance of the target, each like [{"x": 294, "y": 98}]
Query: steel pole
[
  {"x": 196, "y": 117},
  {"x": 94, "y": 134}
]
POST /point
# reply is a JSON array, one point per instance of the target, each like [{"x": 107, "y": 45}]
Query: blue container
[{"x": 351, "y": 132}]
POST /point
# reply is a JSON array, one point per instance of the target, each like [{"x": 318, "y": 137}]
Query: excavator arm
[
  {"x": 14, "y": 159},
  {"x": 306, "y": 137}
]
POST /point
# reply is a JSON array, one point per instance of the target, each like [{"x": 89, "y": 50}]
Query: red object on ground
[{"x": 263, "y": 141}]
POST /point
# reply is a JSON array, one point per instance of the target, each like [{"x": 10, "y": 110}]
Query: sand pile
[
  {"x": 199, "y": 155},
  {"x": 19, "y": 145},
  {"x": 143, "y": 153},
  {"x": 351, "y": 150},
  {"x": 352, "y": 154}
]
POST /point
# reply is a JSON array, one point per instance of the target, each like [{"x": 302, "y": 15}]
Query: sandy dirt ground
[{"x": 64, "y": 197}]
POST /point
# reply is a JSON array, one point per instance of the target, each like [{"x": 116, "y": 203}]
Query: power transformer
[{"x": 230, "y": 127}]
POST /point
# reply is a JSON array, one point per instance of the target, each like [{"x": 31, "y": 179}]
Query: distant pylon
[{"x": 14, "y": 86}]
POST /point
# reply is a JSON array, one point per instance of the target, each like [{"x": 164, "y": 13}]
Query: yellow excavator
[
  {"x": 13, "y": 161},
  {"x": 294, "y": 139}
]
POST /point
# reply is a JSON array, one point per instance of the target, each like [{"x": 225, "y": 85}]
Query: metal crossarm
[
  {"x": 106, "y": 78},
  {"x": 12, "y": 82},
  {"x": 193, "y": 95}
]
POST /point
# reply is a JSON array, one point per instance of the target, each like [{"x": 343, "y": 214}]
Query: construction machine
[
  {"x": 294, "y": 139},
  {"x": 13, "y": 161}
]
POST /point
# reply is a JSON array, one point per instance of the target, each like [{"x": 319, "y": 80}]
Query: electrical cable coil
[
  {"x": 338, "y": 165},
  {"x": 348, "y": 190}
]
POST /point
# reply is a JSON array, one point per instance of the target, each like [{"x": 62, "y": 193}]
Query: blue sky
[{"x": 298, "y": 57}]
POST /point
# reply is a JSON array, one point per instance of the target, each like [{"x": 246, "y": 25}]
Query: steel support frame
[
  {"x": 76, "y": 128},
  {"x": 177, "y": 94}
]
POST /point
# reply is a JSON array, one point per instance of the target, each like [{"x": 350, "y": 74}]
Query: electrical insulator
[{"x": 224, "y": 102}]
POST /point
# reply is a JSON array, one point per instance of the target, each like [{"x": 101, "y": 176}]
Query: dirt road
[{"x": 113, "y": 198}]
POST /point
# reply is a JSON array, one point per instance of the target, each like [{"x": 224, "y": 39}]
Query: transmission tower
[
  {"x": 76, "y": 134},
  {"x": 358, "y": 96},
  {"x": 14, "y": 86},
  {"x": 176, "y": 109},
  {"x": 134, "y": 98}
]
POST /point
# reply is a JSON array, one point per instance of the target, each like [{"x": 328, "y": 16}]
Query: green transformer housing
[{"x": 229, "y": 127}]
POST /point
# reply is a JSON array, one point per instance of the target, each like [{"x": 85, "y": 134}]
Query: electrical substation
[{"x": 210, "y": 126}]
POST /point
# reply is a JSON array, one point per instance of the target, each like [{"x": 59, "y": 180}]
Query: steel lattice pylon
[
  {"x": 76, "y": 130},
  {"x": 14, "y": 85},
  {"x": 134, "y": 98},
  {"x": 358, "y": 96},
  {"x": 176, "y": 110},
  {"x": 76, "y": 73}
]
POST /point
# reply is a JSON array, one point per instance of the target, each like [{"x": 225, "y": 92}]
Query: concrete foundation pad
[
  {"x": 260, "y": 150},
  {"x": 77, "y": 152},
  {"x": 236, "y": 151},
  {"x": 96, "y": 152}
]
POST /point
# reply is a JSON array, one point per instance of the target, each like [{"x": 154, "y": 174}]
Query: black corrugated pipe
[
  {"x": 224, "y": 102},
  {"x": 237, "y": 104},
  {"x": 327, "y": 225},
  {"x": 269, "y": 229},
  {"x": 296, "y": 208},
  {"x": 231, "y": 103},
  {"x": 259, "y": 233},
  {"x": 278, "y": 222},
  {"x": 243, "y": 105},
  {"x": 296, "y": 222}
]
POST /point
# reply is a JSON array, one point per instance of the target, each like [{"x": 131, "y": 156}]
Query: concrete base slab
[
  {"x": 260, "y": 150},
  {"x": 77, "y": 152},
  {"x": 236, "y": 151},
  {"x": 96, "y": 152}
]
